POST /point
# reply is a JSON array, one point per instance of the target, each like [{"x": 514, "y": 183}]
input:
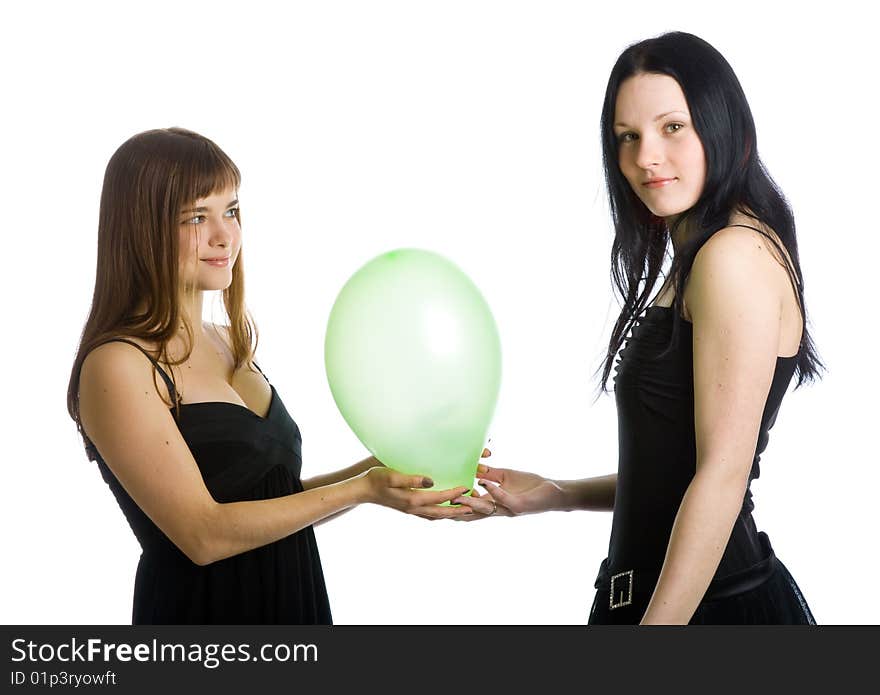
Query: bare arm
[
  {"x": 337, "y": 477},
  {"x": 340, "y": 475},
  {"x": 590, "y": 494},
  {"x": 132, "y": 427},
  {"x": 517, "y": 492},
  {"x": 736, "y": 307}
]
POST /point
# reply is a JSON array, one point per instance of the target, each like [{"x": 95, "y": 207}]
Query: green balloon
[{"x": 413, "y": 359}]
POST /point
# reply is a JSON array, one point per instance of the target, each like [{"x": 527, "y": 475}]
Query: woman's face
[
  {"x": 660, "y": 153},
  {"x": 209, "y": 230}
]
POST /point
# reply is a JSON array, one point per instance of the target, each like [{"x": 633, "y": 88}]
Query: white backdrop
[{"x": 471, "y": 129}]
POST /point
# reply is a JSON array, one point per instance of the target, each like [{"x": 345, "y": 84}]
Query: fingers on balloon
[
  {"x": 486, "y": 453},
  {"x": 494, "y": 474}
]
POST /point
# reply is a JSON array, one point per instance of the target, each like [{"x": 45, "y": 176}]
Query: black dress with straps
[
  {"x": 657, "y": 460},
  {"x": 242, "y": 457}
]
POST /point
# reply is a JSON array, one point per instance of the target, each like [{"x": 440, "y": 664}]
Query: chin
[
  {"x": 214, "y": 286},
  {"x": 668, "y": 210}
]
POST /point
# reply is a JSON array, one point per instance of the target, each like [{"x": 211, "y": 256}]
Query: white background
[{"x": 471, "y": 129}]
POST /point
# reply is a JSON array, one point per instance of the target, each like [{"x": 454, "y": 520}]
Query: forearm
[
  {"x": 699, "y": 537},
  {"x": 591, "y": 494},
  {"x": 235, "y": 527},
  {"x": 340, "y": 475}
]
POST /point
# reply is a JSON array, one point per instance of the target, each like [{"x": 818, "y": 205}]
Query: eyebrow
[
  {"x": 204, "y": 209},
  {"x": 656, "y": 118}
]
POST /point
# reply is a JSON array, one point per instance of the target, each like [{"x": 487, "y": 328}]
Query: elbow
[
  {"x": 724, "y": 481},
  {"x": 201, "y": 557},
  {"x": 199, "y": 542},
  {"x": 197, "y": 551}
]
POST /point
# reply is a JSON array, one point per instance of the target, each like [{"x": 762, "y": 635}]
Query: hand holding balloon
[
  {"x": 413, "y": 360},
  {"x": 407, "y": 493},
  {"x": 516, "y": 493}
]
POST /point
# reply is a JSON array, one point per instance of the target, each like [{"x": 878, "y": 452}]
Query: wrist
[
  {"x": 358, "y": 488},
  {"x": 366, "y": 464},
  {"x": 566, "y": 499}
]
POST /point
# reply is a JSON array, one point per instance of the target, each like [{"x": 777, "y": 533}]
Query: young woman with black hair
[
  {"x": 206, "y": 464},
  {"x": 700, "y": 379}
]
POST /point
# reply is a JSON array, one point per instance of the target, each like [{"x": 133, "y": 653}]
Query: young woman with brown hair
[{"x": 195, "y": 443}]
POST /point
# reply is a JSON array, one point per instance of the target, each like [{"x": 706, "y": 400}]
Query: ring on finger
[{"x": 494, "y": 508}]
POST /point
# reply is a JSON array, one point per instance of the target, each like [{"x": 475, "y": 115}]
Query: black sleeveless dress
[
  {"x": 241, "y": 456},
  {"x": 657, "y": 460}
]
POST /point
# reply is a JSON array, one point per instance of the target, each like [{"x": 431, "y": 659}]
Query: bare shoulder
[
  {"x": 114, "y": 360},
  {"x": 113, "y": 367},
  {"x": 757, "y": 237},
  {"x": 732, "y": 244},
  {"x": 734, "y": 265}
]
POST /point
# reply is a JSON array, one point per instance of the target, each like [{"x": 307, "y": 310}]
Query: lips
[
  {"x": 217, "y": 259},
  {"x": 658, "y": 183}
]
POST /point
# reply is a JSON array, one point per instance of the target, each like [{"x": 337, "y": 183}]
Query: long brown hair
[{"x": 148, "y": 181}]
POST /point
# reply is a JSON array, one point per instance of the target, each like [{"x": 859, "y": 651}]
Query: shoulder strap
[
  {"x": 169, "y": 384},
  {"x": 261, "y": 372}
]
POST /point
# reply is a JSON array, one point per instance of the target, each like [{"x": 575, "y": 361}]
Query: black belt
[{"x": 624, "y": 584}]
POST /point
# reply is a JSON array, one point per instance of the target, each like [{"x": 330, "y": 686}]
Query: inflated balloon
[{"x": 413, "y": 359}]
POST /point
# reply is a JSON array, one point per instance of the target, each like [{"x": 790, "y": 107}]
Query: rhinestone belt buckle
[{"x": 626, "y": 594}]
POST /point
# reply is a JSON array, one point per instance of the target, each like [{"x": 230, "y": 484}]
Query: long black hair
[{"x": 735, "y": 180}]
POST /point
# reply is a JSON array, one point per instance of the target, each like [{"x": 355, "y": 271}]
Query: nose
[
  {"x": 650, "y": 153},
  {"x": 220, "y": 234}
]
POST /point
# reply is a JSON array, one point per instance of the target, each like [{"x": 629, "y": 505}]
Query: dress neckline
[{"x": 238, "y": 406}]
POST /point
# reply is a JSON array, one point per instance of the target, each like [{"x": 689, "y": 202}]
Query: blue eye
[{"x": 230, "y": 213}]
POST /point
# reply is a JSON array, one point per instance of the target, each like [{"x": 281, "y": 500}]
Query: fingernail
[
  {"x": 481, "y": 483},
  {"x": 427, "y": 482}
]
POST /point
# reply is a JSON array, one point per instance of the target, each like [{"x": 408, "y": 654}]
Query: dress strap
[{"x": 172, "y": 392}]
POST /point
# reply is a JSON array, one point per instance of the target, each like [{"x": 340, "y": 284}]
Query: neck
[
  {"x": 679, "y": 237},
  {"x": 191, "y": 309}
]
